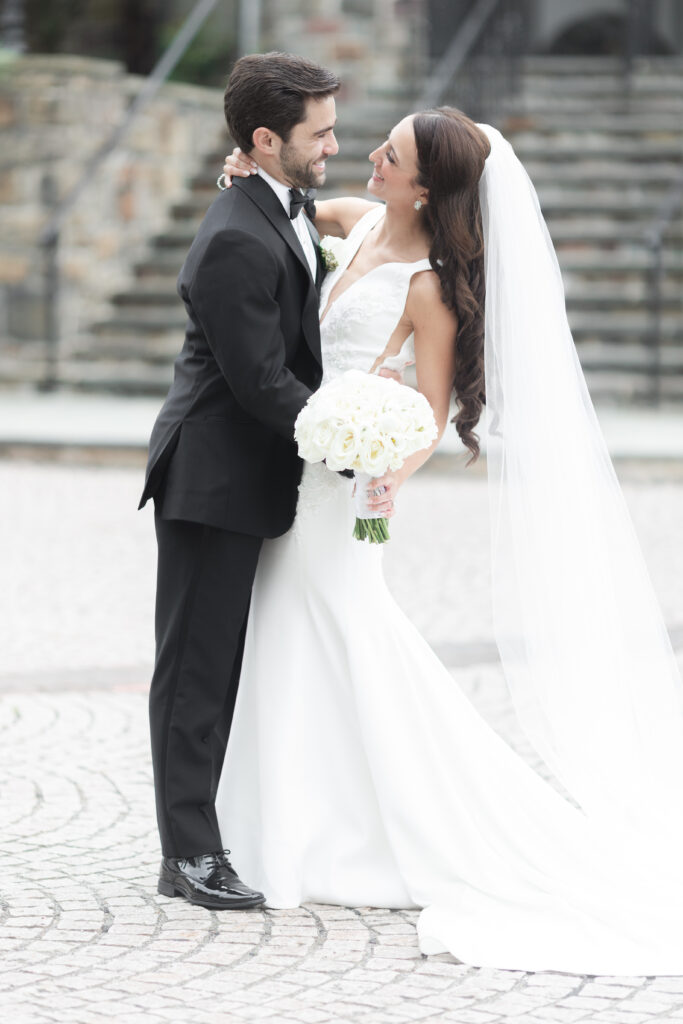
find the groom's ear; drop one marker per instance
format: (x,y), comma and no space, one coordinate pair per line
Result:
(266,142)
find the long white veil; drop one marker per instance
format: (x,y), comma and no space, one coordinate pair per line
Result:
(583,645)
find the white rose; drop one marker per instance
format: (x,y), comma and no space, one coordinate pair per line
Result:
(343,449)
(323,435)
(374,456)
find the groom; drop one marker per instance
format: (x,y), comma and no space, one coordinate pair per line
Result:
(223,468)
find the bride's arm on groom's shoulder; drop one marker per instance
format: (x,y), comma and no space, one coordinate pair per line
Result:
(338,216)
(332,216)
(435,328)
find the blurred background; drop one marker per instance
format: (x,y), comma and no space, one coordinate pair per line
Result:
(112,137)
(111,140)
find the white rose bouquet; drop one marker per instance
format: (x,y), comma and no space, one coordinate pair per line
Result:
(369,424)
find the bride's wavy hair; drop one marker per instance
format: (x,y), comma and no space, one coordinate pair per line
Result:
(451,152)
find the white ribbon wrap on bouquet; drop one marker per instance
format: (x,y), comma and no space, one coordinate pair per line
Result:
(361,497)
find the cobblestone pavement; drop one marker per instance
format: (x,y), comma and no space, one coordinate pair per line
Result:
(83,935)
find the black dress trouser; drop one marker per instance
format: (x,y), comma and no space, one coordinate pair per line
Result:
(204,581)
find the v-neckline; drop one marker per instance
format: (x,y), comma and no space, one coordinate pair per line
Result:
(386,263)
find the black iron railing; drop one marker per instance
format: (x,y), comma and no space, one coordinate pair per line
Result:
(637,38)
(480,69)
(655,239)
(51,234)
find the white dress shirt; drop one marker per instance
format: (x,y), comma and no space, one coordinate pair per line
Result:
(282,192)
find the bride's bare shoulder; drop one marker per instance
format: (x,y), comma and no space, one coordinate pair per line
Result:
(338,216)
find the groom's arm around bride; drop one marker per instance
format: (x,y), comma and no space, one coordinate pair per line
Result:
(223,467)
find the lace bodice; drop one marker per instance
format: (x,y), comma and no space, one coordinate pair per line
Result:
(354,333)
(358,325)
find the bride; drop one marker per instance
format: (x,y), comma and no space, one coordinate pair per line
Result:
(357,773)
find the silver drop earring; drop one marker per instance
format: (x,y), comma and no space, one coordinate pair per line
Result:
(418,204)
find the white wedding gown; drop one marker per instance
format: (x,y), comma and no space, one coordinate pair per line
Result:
(358,774)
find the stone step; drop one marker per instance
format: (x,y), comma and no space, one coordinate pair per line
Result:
(144,320)
(628,356)
(627,202)
(591,173)
(607,296)
(592,121)
(548,106)
(177,236)
(130,377)
(617,328)
(558,66)
(148,292)
(577,146)
(124,345)
(602,87)
(612,387)
(166,262)
(604,231)
(619,264)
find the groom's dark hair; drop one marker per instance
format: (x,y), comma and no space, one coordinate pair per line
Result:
(270,90)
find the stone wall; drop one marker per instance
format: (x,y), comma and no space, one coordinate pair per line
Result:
(377,47)
(54,114)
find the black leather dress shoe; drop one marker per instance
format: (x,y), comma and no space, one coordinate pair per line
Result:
(208,881)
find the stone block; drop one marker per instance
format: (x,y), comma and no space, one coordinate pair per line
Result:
(26,319)
(7,109)
(14,267)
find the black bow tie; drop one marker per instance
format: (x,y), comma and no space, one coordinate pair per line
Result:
(298,199)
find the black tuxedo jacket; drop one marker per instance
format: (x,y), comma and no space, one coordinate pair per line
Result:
(222,449)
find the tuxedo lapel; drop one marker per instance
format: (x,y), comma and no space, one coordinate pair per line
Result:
(312,230)
(262,195)
(319,264)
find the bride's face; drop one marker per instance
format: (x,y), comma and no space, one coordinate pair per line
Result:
(395,167)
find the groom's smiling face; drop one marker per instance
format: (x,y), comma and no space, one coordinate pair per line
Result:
(303,157)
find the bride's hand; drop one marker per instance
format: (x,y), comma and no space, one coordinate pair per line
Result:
(384,503)
(391,374)
(237,164)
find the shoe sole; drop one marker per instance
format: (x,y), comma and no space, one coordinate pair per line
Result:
(170,890)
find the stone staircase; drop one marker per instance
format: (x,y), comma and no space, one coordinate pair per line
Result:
(601,167)
(602,164)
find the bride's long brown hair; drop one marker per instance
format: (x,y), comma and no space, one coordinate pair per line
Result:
(451,152)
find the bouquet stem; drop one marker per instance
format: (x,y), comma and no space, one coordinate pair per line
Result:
(374,530)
